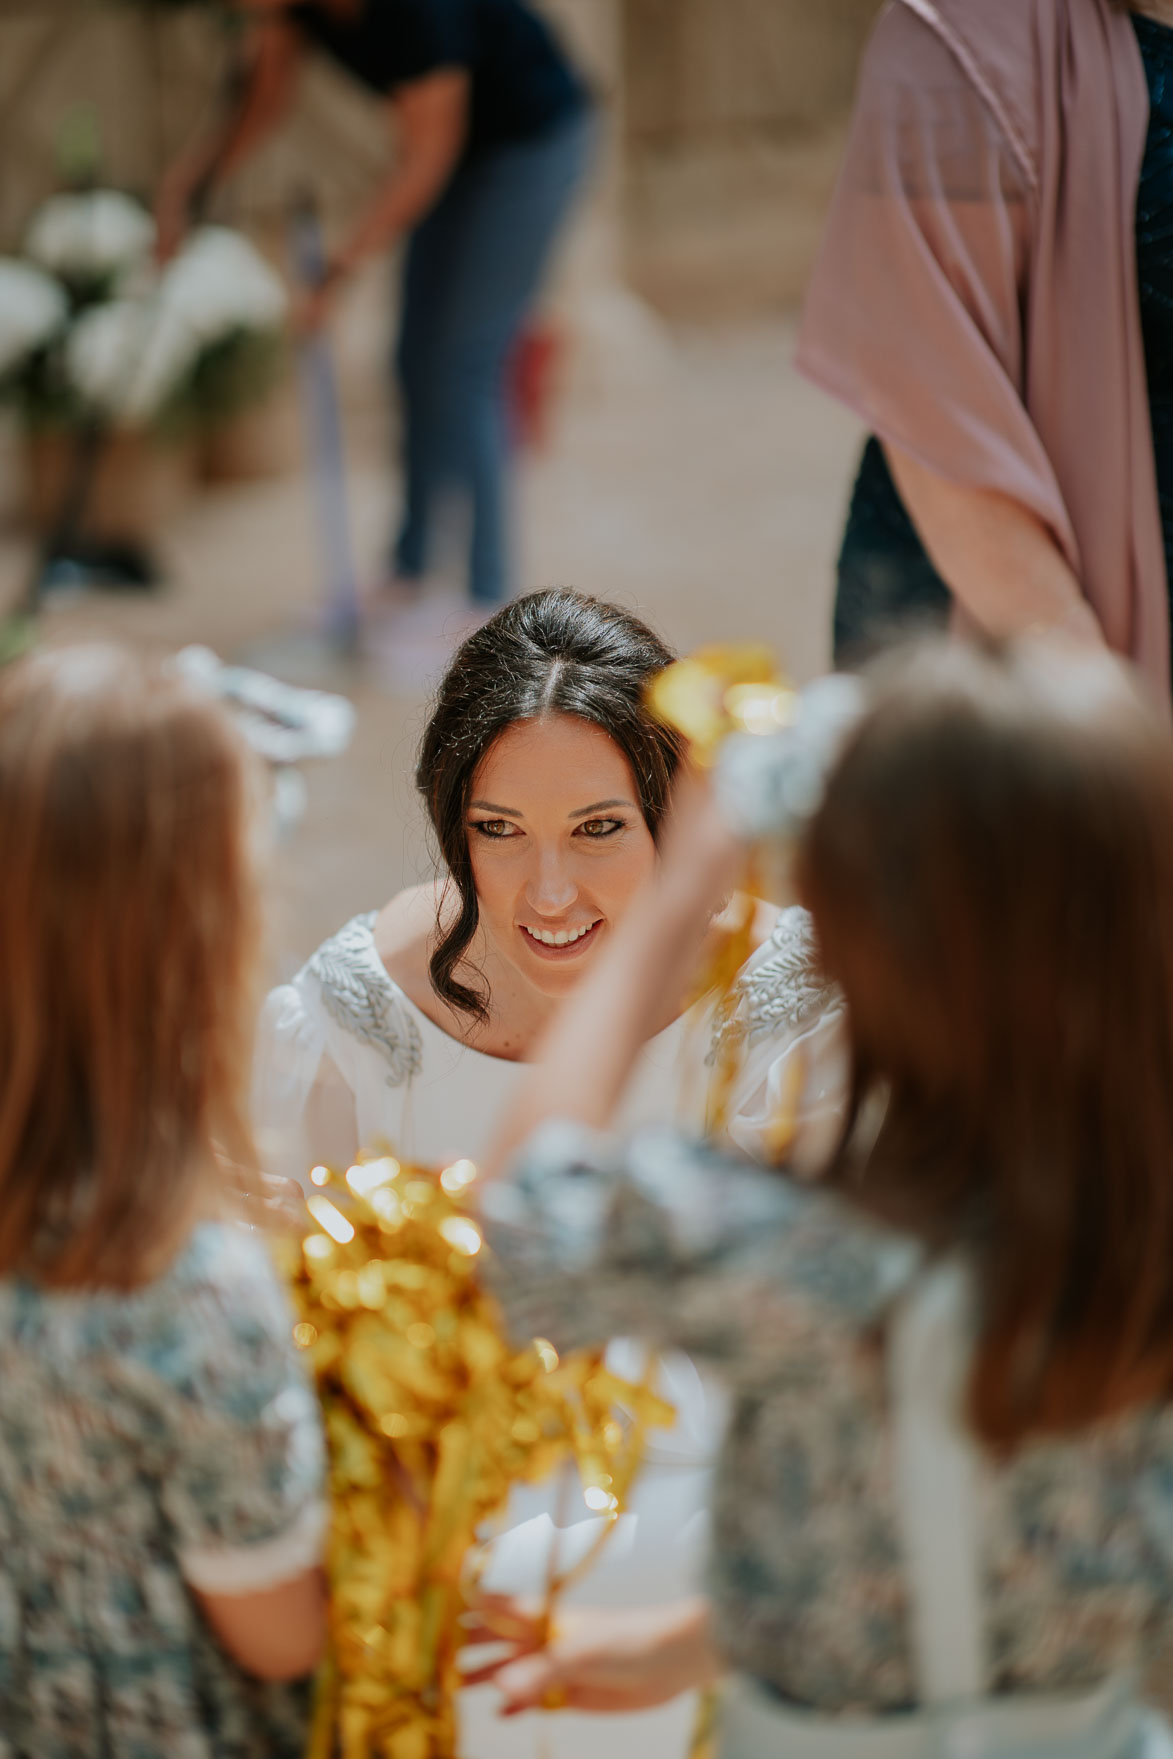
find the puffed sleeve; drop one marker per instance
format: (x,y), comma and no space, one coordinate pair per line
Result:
(287,1058)
(789,1023)
(663,1239)
(913,314)
(303,1107)
(244,1473)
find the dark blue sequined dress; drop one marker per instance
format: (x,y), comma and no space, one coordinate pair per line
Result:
(886,581)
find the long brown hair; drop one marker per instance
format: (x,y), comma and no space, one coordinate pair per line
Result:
(127,923)
(991,881)
(556,652)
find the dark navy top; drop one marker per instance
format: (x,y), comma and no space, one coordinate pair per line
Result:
(885,576)
(522,82)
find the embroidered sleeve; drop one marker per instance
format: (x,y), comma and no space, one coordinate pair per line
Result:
(780,988)
(358,996)
(786,1021)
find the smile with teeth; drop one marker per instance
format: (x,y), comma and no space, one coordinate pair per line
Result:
(563,937)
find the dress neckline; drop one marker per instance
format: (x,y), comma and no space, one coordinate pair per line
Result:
(426,1025)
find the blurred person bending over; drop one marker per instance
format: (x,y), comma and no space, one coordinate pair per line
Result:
(493,128)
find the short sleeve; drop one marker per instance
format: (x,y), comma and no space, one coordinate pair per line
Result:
(429,35)
(913,315)
(303,1107)
(287,1057)
(243,1492)
(789,1097)
(663,1239)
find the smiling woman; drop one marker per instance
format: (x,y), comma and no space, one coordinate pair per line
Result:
(545,781)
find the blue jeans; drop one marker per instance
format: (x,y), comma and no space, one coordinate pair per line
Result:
(473,268)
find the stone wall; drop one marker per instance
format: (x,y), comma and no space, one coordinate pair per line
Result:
(733,129)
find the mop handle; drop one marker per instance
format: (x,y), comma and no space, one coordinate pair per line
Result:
(328,457)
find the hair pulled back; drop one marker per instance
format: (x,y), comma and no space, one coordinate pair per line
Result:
(550,653)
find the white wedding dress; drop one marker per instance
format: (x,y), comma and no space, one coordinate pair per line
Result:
(345,1061)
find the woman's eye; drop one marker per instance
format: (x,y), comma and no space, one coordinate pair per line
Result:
(498,828)
(597,828)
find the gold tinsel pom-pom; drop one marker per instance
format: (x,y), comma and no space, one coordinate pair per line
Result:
(709,696)
(722,690)
(431,1417)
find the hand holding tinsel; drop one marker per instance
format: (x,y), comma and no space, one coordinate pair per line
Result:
(431,1417)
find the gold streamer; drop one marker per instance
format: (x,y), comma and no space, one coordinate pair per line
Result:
(716,692)
(722,690)
(431,1416)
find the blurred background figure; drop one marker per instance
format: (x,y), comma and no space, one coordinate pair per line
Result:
(993,299)
(690,474)
(493,128)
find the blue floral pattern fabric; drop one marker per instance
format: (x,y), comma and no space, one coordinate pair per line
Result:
(788,1291)
(137,1432)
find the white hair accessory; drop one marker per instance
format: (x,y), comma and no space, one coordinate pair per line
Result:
(770,784)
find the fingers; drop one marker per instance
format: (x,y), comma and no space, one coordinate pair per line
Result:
(490,1671)
(532,1682)
(499,1618)
(283,1199)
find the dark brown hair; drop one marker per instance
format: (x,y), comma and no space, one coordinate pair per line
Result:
(991,882)
(551,653)
(127,926)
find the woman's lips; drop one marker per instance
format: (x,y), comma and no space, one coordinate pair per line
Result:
(559,955)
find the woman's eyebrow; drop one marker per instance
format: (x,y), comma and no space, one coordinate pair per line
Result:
(488,806)
(600,806)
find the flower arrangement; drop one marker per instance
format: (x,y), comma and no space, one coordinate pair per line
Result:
(91,328)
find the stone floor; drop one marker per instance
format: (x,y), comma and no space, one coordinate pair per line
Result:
(706,492)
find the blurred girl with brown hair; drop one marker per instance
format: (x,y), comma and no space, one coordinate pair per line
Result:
(942,1519)
(161,1465)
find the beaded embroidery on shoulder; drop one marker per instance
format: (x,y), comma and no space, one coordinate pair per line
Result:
(360,997)
(782,991)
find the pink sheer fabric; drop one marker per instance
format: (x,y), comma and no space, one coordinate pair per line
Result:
(975,297)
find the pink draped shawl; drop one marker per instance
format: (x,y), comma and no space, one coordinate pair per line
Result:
(975,297)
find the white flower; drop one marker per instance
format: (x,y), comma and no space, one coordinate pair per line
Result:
(32,308)
(99,233)
(221,283)
(126,357)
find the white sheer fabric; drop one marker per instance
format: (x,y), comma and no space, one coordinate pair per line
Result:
(346,1061)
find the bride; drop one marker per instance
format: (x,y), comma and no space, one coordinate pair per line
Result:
(545,781)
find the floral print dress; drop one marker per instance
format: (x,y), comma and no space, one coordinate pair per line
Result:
(150,1443)
(790,1293)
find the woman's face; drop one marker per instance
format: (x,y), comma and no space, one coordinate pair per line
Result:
(559,846)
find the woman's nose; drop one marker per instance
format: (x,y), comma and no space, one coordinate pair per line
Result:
(551,887)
